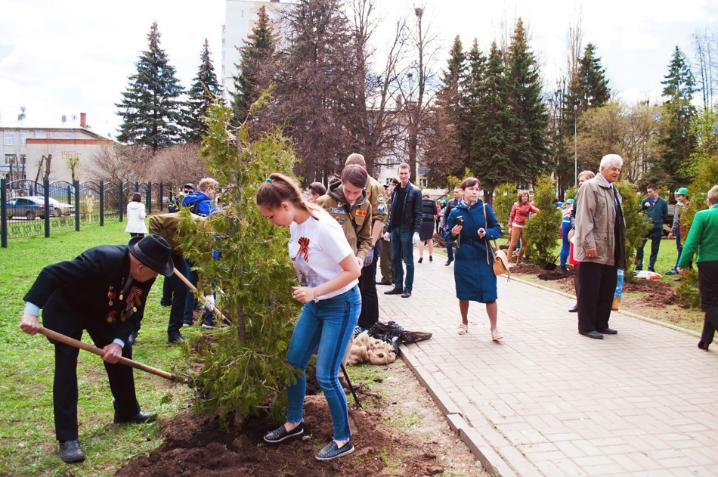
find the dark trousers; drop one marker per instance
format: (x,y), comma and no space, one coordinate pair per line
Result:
(387,275)
(166,292)
(679,249)
(64,390)
(450,250)
(190,301)
(179,296)
(367,287)
(402,249)
(655,237)
(598,284)
(708,285)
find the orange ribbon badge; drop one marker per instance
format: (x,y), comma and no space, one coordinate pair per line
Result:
(303,249)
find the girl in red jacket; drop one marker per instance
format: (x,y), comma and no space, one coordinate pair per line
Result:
(517,219)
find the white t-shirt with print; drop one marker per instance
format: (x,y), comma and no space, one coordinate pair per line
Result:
(316,248)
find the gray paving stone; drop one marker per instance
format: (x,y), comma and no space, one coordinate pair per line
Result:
(547,401)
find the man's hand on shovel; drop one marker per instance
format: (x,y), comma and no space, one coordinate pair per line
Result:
(112,353)
(30,324)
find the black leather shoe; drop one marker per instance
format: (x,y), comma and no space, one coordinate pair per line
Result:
(394,291)
(70,452)
(421,259)
(574,309)
(591,334)
(384,283)
(608,331)
(703,346)
(139,418)
(175,338)
(448,262)
(406,294)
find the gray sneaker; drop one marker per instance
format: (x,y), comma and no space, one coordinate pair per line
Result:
(331,451)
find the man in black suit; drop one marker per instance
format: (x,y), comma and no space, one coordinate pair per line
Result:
(102,291)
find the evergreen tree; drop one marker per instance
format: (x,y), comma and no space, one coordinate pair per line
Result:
(443,153)
(593,84)
(492,134)
(243,367)
(150,108)
(204,91)
(526,109)
(470,99)
(540,231)
(255,65)
(677,138)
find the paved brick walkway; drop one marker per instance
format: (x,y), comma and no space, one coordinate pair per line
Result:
(550,402)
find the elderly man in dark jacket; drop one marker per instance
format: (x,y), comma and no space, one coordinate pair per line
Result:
(102,291)
(403,230)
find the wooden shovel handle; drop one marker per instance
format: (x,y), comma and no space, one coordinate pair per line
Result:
(198,294)
(55,336)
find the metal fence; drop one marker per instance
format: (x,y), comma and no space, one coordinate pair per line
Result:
(25,204)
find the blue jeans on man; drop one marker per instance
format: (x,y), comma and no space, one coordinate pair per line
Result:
(655,236)
(325,328)
(402,249)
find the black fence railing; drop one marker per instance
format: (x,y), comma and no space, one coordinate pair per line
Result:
(31,208)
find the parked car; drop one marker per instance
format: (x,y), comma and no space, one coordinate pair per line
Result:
(31,207)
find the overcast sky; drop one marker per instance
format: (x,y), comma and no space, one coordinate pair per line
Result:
(64,57)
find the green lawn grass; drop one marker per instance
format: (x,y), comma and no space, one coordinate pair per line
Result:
(27,439)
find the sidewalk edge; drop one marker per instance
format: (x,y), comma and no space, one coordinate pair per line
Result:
(490,460)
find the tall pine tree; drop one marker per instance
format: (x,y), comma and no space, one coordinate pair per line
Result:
(593,84)
(492,134)
(526,109)
(677,139)
(255,66)
(470,98)
(204,91)
(443,154)
(151,108)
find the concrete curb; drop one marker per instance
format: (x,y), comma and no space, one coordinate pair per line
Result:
(623,312)
(490,460)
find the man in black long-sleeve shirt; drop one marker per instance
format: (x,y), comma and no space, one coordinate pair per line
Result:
(403,230)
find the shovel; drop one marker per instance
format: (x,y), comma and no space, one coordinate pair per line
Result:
(194,290)
(55,336)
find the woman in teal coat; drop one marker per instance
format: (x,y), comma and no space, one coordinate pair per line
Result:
(472,224)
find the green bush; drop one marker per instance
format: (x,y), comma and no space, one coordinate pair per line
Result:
(543,229)
(504,198)
(243,366)
(687,292)
(637,224)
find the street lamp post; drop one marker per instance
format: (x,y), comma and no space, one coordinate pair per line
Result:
(575,149)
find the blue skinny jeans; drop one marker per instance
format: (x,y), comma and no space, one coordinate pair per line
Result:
(325,327)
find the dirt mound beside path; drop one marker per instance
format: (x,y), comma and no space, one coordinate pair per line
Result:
(198,445)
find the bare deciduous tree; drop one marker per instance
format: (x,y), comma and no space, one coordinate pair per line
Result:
(177,164)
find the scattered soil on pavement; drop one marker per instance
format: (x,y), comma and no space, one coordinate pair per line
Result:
(400,432)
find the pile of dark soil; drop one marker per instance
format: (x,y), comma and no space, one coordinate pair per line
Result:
(199,445)
(653,293)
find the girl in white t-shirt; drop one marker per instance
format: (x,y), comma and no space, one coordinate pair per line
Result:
(327,271)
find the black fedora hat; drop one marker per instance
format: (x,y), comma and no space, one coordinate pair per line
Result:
(154,252)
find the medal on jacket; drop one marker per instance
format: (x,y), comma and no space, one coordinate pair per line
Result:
(111,296)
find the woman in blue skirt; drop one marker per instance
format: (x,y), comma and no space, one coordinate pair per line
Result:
(472,224)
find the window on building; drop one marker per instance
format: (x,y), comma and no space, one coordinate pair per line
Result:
(41,134)
(9,139)
(23,138)
(10,158)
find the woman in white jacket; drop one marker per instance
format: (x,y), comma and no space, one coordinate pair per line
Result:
(136,217)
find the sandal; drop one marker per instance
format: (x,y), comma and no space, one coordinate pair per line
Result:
(496,335)
(463,329)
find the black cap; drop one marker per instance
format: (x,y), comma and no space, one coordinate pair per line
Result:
(154,252)
(190,185)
